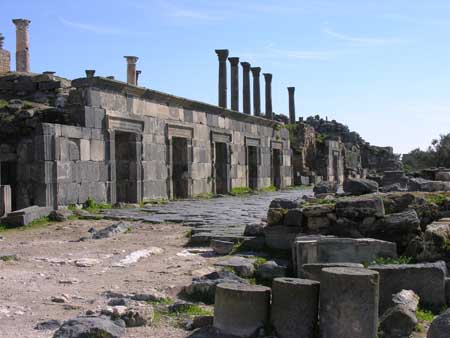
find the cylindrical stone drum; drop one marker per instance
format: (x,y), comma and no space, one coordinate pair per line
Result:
(295,304)
(241,309)
(349,303)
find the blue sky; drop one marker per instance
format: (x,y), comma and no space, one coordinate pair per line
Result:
(380,66)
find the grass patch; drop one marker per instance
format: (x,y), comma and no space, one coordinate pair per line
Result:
(93,207)
(8,258)
(3,103)
(299,187)
(236,247)
(424,315)
(37,223)
(388,260)
(270,188)
(241,191)
(177,318)
(204,196)
(437,198)
(259,261)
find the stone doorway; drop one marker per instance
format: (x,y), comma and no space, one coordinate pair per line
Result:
(276,168)
(8,176)
(180,167)
(221,168)
(126,167)
(252,160)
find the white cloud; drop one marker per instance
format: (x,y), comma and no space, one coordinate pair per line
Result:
(365,41)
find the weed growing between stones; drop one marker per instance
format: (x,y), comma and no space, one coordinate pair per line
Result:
(388,260)
(37,223)
(93,207)
(241,191)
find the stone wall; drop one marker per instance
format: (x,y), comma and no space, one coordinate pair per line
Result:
(5,61)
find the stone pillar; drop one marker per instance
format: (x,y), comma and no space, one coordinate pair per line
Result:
(241,309)
(234,63)
(256,91)
(22,45)
(246,87)
(222,54)
(138,72)
(349,303)
(5,57)
(295,307)
(131,69)
(90,73)
(5,200)
(291,91)
(268,81)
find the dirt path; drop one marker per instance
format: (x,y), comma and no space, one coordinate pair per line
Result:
(46,266)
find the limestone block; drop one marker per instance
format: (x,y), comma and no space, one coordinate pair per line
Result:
(240,309)
(295,306)
(44,148)
(74,151)
(348,303)
(5,200)
(64,171)
(313,270)
(85,150)
(427,280)
(70,131)
(360,208)
(97,150)
(280,236)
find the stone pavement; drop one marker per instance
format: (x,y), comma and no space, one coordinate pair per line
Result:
(221,217)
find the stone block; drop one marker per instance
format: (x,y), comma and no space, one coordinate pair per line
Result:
(64,172)
(280,236)
(5,200)
(322,249)
(44,148)
(241,310)
(294,217)
(97,150)
(74,151)
(70,131)
(313,270)
(295,306)
(348,303)
(27,215)
(360,208)
(97,191)
(427,280)
(85,150)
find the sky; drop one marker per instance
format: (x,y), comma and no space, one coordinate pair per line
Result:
(382,67)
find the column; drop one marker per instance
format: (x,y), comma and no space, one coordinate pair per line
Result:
(222,54)
(22,45)
(131,69)
(138,72)
(234,63)
(291,91)
(90,73)
(246,87)
(256,91)
(268,81)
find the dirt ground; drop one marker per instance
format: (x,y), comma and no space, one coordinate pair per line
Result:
(46,268)
(46,259)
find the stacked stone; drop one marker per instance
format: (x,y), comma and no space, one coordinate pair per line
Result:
(5,57)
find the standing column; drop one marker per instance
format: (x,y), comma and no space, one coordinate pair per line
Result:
(246,87)
(131,69)
(138,72)
(291,91)
(222,54)
(22,45)
(234,62)
(268,80)
(256,91)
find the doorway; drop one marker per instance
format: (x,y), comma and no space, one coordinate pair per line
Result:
(276,168)
(8,176)
(252,167)
(126,167)
(221,167)
(180,167)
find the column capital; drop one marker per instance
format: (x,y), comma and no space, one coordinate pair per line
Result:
(131,59)
(291,89)
(21,23)
(267,76)
(246,66)
(234,61)
(222,54)
(255,71)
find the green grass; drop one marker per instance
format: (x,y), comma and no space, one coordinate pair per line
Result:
(241,191)
(424,315)
(299,187)
(236,247)
(387,260)
(156,201)
(177,319)
(7,258)
(204,196)
(3,103)
(37,223)
(270,188)
(93,207)
(259,261)
(437,198)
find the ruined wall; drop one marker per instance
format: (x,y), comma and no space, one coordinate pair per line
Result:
(5,60)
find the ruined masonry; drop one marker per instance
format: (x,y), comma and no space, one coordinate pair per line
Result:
(111,141)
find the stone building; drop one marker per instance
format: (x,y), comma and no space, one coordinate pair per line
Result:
(5,57)
(66,141)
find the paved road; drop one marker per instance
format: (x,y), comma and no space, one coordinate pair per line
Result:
(216,217)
